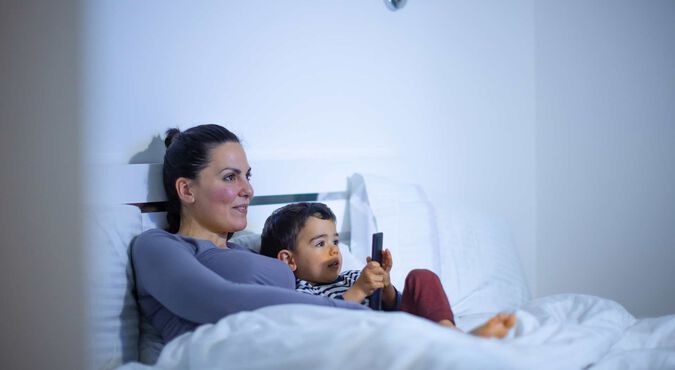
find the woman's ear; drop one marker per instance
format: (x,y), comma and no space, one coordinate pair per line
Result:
(184,191)
(287,257)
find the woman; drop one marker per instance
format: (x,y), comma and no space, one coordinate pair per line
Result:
(190,275)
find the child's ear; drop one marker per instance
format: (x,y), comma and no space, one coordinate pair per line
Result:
(287,257)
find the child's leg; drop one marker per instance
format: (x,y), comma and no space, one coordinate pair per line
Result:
(423,296)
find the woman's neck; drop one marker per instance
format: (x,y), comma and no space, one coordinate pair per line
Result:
(196,231)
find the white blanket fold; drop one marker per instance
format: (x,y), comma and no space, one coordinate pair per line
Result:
(556,332)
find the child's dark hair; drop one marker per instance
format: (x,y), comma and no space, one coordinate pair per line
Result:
(283,225)
(187,153)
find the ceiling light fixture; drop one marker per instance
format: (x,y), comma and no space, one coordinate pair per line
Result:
(394,5)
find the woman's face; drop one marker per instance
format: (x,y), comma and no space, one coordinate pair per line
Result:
(222,190)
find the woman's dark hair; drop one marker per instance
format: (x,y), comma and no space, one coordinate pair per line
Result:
(187,153)
(283,226)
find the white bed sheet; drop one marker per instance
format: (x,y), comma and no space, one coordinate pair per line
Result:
(557,332)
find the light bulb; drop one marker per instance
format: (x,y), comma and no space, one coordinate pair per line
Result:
(394,5)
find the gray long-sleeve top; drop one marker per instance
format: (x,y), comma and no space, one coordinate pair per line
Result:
(183,282)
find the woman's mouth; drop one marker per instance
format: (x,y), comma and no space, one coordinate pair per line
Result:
(241,209)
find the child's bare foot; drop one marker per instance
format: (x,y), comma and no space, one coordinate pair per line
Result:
(496,327)
(448,323)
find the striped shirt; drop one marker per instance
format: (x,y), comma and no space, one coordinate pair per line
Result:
(335,290)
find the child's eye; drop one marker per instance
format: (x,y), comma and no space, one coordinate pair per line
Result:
(336,242)
(320,244)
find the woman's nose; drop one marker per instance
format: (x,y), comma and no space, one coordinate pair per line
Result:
(246,190)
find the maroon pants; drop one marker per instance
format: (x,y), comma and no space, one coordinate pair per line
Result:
(423,296)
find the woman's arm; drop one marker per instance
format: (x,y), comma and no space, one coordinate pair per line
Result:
(167,269)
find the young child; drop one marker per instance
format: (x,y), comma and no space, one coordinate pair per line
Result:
(304,236)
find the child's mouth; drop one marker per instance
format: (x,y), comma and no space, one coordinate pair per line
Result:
(335,264)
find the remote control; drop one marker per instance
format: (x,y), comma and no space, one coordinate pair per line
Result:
(376,254)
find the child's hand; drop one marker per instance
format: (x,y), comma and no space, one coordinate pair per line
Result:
(387,263)
(389,292)
(372,278)
(387,260)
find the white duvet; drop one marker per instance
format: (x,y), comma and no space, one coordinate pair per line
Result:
(556,332)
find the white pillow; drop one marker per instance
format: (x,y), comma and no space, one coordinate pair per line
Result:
(361,218)
(402,212)
(473,254)
(349,261)
(113,316)
(480,271)
(247,239)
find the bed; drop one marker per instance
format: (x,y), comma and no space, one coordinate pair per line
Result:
(473,253)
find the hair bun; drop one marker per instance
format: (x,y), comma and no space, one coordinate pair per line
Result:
(171,136)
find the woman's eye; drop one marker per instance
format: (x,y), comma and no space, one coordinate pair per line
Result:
(248,177)
(229,177)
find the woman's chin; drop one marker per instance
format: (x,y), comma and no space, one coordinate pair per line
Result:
(238,226)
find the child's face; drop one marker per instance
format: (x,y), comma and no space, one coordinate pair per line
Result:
(317,256)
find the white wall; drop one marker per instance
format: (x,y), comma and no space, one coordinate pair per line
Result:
(605,73)
(41,272)
(444,88)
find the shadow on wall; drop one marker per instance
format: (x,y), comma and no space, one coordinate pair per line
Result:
(154,153)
